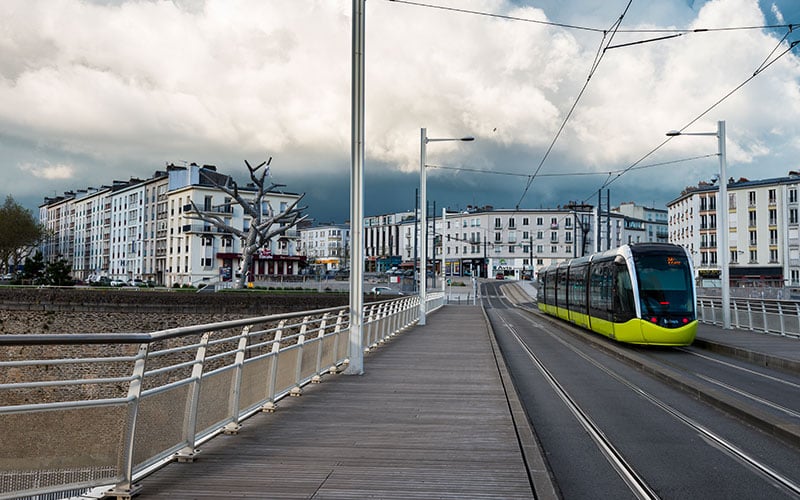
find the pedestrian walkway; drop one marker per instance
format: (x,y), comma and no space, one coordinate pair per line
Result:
(433,416)
(766,349)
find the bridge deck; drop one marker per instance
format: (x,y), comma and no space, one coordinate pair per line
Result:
(429,419)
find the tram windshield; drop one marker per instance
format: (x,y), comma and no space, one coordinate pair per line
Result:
(665,284)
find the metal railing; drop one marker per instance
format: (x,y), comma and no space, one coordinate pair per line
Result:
(80,411)
(781,317)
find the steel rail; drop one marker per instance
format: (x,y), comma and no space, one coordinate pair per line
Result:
(626,471)
(730,448)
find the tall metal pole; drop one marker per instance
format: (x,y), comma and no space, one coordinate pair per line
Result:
(423,221)
(416,238)
(723,250)
(722,217)
(444,253)
(356,352)
(433,246)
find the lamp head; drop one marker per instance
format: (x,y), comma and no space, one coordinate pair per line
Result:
(673,133)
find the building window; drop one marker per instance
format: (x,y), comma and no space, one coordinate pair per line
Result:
(753,238)
(753,256)
(734,256)
(793,195)
(751,198)
(772,196)
(793,216)
(773,255)
(497,223)
(751,218)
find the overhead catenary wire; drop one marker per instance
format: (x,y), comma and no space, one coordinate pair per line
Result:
(758,71)
(598,57)
(587,28)
(595,65)
(570,174)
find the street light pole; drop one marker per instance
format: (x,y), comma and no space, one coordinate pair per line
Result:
(444,253)
(423,192)
(722,219)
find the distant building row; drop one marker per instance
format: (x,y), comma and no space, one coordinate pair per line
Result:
(143,229)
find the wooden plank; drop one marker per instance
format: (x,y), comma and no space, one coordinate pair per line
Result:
(428,419)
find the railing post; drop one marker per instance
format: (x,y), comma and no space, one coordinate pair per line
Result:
(320,341)
(301,340)
(338,331)
(736,312)
(750,316)
(780,315)
(764,315)
(188,453)
(713,313)
(370,324)
(797,311)
(236,384)
(126,488)
(270,406)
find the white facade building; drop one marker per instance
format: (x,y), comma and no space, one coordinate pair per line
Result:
(144,229)
(763,230)
(326,247)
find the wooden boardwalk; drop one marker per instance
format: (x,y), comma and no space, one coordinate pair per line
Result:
(428,419)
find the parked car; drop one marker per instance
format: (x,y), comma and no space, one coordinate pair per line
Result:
(385,290)
(137,282)
(100,281)
(118,282)
(500,276)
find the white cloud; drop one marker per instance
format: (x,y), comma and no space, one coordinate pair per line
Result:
(49,172)
(131,85)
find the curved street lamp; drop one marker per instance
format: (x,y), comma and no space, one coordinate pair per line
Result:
(423,218)
(722,219)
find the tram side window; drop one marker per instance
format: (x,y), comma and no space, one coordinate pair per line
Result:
(550,283)
(561,288)
(600,290)
(624,304)
(577,285)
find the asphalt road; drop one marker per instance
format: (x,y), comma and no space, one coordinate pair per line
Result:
(610,430)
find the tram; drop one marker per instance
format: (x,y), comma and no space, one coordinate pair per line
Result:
(641,293)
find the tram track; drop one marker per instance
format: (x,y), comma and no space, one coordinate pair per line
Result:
(729,399)
(626,471)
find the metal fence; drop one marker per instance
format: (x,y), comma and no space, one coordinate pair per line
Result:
(781,317)
(79,411)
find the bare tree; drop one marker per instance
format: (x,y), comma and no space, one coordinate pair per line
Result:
(264,225)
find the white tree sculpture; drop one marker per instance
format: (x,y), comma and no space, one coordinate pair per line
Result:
(264,225)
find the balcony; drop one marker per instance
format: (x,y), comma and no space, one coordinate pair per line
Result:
(220,209)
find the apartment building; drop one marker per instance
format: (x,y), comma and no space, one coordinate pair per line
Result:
(644,224)
(326,247)
(148,229)
(763,230)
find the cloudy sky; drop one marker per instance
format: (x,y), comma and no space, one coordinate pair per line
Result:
(93,91)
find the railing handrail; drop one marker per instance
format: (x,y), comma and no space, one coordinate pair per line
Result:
(147,338)
(192,391)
